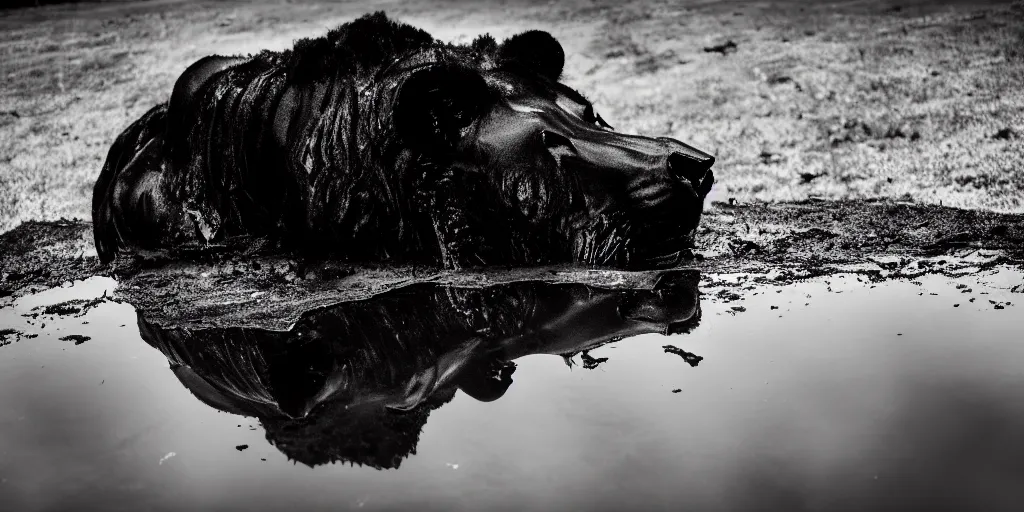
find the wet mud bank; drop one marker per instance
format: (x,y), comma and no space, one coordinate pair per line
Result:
(773,242)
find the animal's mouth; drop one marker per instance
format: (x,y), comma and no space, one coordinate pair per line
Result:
(666,253)
(638,243)
(668,260)
(664,235)
(667,239)
(655,232)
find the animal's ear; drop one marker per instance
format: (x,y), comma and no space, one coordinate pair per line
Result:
(536,50)
(434,104)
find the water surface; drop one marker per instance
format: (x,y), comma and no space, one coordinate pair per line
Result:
(832,394)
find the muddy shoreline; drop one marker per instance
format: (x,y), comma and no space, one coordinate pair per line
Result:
(772,242)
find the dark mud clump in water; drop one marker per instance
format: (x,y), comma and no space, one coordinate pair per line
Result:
(64,308)
(692,359)
(8,336)
(76,307)
(590,362)
(77,338)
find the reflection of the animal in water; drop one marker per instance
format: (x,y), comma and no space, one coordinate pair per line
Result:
(355,382)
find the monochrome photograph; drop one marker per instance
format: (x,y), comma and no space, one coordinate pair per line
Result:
(523,255)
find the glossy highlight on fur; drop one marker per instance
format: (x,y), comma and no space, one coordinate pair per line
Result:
(377,143)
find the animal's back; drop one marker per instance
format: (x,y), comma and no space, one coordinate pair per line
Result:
(159,168)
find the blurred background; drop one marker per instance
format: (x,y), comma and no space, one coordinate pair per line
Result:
(915,100)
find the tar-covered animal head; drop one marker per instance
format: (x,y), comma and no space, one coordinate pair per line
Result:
(522,168)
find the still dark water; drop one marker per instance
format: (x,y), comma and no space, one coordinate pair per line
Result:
(834,394)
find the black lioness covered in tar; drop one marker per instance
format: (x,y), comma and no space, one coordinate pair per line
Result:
(378,143)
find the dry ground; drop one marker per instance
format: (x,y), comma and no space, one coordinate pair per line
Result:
(844,99)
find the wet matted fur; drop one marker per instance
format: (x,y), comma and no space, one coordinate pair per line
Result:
(378,143)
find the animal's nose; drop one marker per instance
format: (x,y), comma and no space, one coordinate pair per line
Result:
(690,164)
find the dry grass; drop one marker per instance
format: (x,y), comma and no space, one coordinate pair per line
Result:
(846,99)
